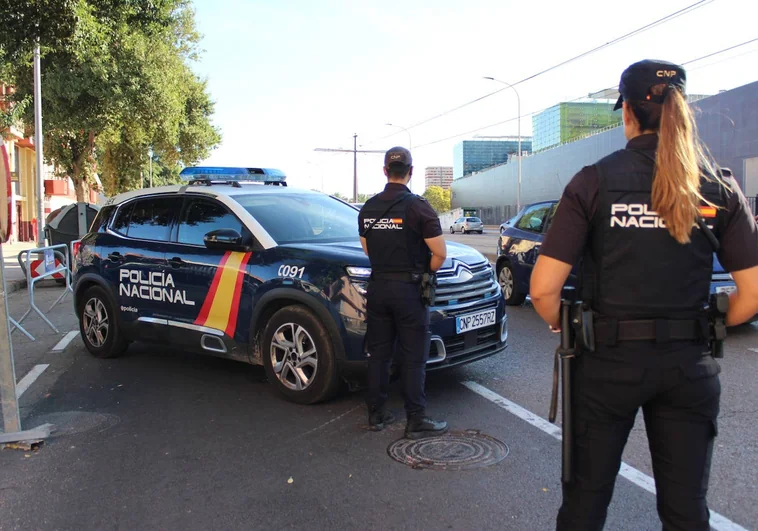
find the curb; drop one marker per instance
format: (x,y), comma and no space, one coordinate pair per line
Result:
(15,285)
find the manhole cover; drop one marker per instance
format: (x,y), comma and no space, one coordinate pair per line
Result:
(452,451)
(71,422)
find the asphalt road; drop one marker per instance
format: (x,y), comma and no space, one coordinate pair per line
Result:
(160,439)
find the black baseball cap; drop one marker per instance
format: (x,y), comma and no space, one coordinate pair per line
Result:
(638,78)
(398,154)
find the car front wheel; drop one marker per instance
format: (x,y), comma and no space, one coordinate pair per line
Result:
(299,357)
(98,325)
(507,282)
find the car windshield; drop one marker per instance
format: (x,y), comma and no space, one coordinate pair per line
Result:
(299,218)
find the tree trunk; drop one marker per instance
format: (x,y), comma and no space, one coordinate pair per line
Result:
(79,185)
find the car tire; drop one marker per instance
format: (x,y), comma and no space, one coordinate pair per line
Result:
(290,333)
(98,325)
(452,230)
(481,232)
(507,281)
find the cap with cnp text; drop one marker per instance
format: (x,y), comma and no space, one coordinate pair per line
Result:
(398,154)
(637,80)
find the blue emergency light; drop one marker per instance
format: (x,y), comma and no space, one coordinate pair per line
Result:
(209,174)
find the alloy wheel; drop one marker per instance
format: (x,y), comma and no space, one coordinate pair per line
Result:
(96,322)
(506,281)
(294,356)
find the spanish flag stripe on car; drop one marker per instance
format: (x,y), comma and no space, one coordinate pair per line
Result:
(221,305)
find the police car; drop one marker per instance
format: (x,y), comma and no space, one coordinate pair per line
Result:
(236,264)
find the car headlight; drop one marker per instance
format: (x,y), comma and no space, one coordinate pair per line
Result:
(359,277)
(359,272)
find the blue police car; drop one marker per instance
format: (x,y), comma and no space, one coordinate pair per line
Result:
(519,246)
(236,264)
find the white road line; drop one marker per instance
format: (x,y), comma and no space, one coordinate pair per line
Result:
(63,343)
(29,379)
(718,522)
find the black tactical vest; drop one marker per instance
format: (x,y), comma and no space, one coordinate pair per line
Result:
(393,247)
(633,268)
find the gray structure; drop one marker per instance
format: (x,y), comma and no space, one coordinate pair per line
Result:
(727,124)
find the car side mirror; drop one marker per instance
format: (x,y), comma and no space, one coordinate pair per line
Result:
(225,240)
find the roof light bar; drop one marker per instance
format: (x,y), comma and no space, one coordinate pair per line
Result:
(227,174)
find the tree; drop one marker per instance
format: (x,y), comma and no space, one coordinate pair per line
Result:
(362,198)
(439,198)
(115,83)
(340,196)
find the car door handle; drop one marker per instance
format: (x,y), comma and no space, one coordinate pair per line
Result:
(176,262)
(115,257)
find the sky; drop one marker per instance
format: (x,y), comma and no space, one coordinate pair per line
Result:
(290,76)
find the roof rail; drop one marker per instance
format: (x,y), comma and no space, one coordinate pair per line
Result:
(208,175)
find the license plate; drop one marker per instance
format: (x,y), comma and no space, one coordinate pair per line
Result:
(725,289)
(472,321)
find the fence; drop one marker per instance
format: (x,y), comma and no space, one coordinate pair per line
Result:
(751,201)
(62,267)
(495,215)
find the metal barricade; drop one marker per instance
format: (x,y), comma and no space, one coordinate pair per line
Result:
(61,250)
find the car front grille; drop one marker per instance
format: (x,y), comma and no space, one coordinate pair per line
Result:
(465,284)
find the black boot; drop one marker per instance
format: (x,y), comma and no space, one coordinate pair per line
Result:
(421,426)
(379,418)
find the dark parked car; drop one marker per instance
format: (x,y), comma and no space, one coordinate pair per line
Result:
(519,246)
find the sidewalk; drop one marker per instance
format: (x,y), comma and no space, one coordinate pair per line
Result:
(14,276)
(38,363)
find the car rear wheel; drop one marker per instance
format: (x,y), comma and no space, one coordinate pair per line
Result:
(299,357)
(98,325)
(507,282)
(452,230)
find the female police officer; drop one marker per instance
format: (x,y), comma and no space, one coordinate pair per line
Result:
(635,218)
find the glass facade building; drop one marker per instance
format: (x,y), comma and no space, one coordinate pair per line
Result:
(470,156)
(569,121)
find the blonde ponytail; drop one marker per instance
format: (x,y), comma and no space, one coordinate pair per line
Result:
(676,186)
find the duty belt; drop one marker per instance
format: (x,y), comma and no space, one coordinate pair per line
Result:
(609,331)
(397,276)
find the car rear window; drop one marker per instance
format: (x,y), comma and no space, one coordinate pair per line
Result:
(475,220)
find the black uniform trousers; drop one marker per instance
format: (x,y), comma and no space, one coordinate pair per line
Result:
(679,392)
(398,323)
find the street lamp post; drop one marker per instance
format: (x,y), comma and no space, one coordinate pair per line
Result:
(410,145)
(518,101)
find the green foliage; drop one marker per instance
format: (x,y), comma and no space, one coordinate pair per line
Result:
(342,197)
(116,82)
(439,198)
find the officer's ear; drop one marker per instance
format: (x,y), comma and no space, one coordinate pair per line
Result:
(410,172)
(386,173)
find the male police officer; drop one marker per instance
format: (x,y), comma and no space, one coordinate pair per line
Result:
(402,237)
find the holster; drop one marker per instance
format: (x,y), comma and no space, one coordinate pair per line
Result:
(428,288)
